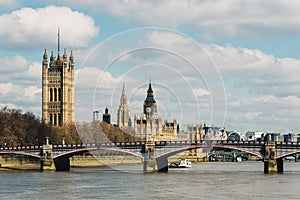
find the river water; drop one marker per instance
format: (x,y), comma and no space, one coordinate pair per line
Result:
(220,180)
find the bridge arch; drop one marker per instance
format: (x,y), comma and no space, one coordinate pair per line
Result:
(191,147)
(288,154)
(62,162)
(83,150)
(20,153)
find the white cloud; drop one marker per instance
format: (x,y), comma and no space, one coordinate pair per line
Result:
(32,93)
(200,92)
(27,28)
(255,71)
(8,90)
(13,64)
(19,71)
(90,77)
(20,85)
(215,19)
(8,4)
(167,39)
(34,71)
(267,113)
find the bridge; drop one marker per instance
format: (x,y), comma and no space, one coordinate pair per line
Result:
(155,154)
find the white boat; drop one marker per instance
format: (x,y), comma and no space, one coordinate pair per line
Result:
(239,159)
(185,163)
(182,163)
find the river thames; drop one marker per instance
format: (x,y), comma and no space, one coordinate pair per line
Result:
(220,180)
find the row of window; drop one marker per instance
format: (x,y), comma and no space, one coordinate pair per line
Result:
(55,94)
(55,119)
(54,81)
(54,107)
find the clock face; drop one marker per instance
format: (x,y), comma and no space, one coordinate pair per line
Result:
(148,109)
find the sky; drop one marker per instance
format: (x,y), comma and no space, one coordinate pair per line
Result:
(223,63)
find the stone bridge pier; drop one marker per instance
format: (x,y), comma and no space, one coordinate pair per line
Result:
(271,163)
(152,164)
(149,159)
(62,163)
(162,164)
(47,163)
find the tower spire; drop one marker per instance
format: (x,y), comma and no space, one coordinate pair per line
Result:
(123,111)
(123,96)
(58,40)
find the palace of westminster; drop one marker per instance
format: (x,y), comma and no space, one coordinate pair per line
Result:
(58,106)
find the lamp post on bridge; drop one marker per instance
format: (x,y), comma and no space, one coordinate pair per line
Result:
(63,141)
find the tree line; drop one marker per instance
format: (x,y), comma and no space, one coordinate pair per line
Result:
(22,129)
(26,129)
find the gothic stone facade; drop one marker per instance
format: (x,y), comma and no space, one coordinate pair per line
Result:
(150,125)
(58,89)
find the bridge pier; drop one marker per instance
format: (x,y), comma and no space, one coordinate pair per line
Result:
(271,164)
(47,163)
(62,163)
(162,164)
(279,165)
(150,164)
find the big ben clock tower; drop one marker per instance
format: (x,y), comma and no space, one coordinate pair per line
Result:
(150,107)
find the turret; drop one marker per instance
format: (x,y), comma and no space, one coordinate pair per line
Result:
(45,59)
(58,56)
(65,56)
(52,59)
(71,60)
(45,56)
(71,57)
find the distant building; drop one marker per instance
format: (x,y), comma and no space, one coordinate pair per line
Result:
(106,116)
(149,124)
(234,136)
(123,120)
(96,115)
(195,133)
(214,133)
(277,137)
(58,88)
(254,135)
(291,137)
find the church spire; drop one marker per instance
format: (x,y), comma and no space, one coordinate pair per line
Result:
(123,97)
(123,111)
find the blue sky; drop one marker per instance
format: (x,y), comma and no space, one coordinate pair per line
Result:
(244,58)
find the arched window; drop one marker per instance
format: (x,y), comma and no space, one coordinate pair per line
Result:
(51,94)
(55,94)
(50,121)
(55,119)
(59,94)
(59,120)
